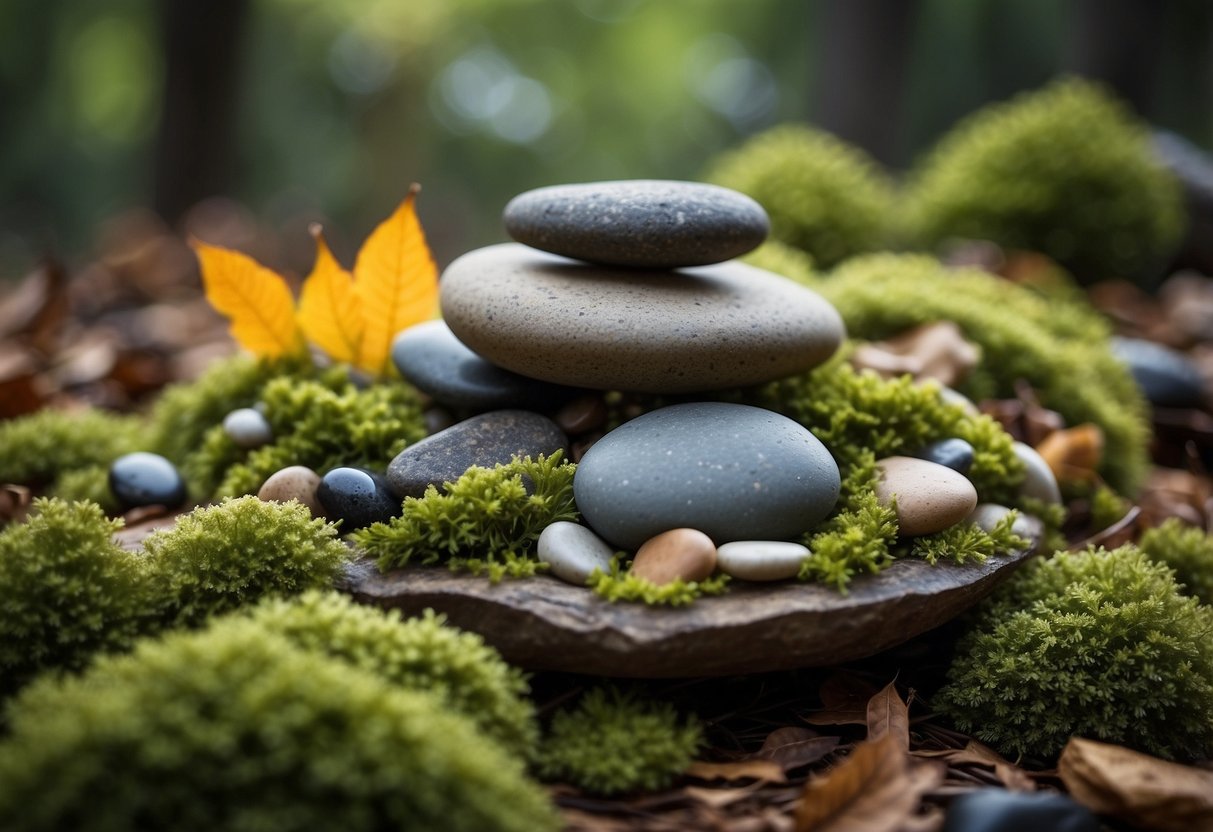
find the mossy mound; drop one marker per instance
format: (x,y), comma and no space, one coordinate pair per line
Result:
(1066,170)
(1186,549)
(1096,644)
(1058,347)
(613,741)
(822,195)
(220,557)
(46,448)
(234,728)
(422,654)
(67,591)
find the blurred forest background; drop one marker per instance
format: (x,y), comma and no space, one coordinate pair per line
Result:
(244,120)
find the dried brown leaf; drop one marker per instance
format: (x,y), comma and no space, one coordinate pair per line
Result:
(887,715)
(844,699)
(719,798)
(1134,787)
(38,308)
(765,771)
(977,754)
(793,747)
(876,789)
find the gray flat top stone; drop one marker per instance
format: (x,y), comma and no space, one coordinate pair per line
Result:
(543,624)
(644,223)
(608,328)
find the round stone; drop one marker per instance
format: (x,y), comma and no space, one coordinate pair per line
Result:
(761,560)
(248,428)
(930,497)
(999,810)
(953,453)
(1038,482)
(988,515)
(651,224)
(485,440)
(574,552)
(298,483)
(1166,377)
(357,498)
(143,479)
(430,357)
(583,415)
(707,328)
(732,471)
(686,554)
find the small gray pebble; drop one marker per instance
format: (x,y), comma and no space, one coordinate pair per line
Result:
(1039,482)
(143,479)
(248,428)
(1167,378)
(761,560)
(574,552)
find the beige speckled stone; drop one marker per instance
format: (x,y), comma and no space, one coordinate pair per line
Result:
(294,483)
(679,553)
(608,328)
(930,497)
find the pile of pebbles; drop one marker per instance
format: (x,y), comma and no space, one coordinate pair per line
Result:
(633,286)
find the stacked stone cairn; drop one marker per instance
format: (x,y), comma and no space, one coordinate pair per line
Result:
(632,286)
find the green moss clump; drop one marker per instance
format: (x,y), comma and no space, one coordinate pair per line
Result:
(320,424)
(488,520)
(1096,644)
(614,742)
(823,196)
(185,412)
(1061,349)
(88,484)
(219,557)
(37,449)
(619,584)
(422,653)
(1066,170)
(234,728)
(66,591)
(1187,550)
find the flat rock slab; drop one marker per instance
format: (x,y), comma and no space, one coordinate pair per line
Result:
(543,624)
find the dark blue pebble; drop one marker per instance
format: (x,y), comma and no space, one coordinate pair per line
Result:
(356,497)
(1166,377)
(436,362)
(143,479)
(998,810)
(954,453)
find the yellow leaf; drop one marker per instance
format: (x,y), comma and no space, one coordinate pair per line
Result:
(396,282)
(329,312)
(256,300)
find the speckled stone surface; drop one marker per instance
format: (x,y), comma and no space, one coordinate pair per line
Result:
(143,479)
(732,471)
(646,223)
(357,498)
(485,440)
(930,497)
(679,554)
(296,482)
(430,356)
(706,328)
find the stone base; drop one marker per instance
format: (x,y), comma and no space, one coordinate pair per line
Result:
(544,624)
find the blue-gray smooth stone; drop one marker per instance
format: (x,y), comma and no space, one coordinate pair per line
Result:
(1166,377)
(143,479)
(430,357)
(644,223)
(732,471)
(953,453)
(356,497)
(998,810)
(248,428)
(484,440)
